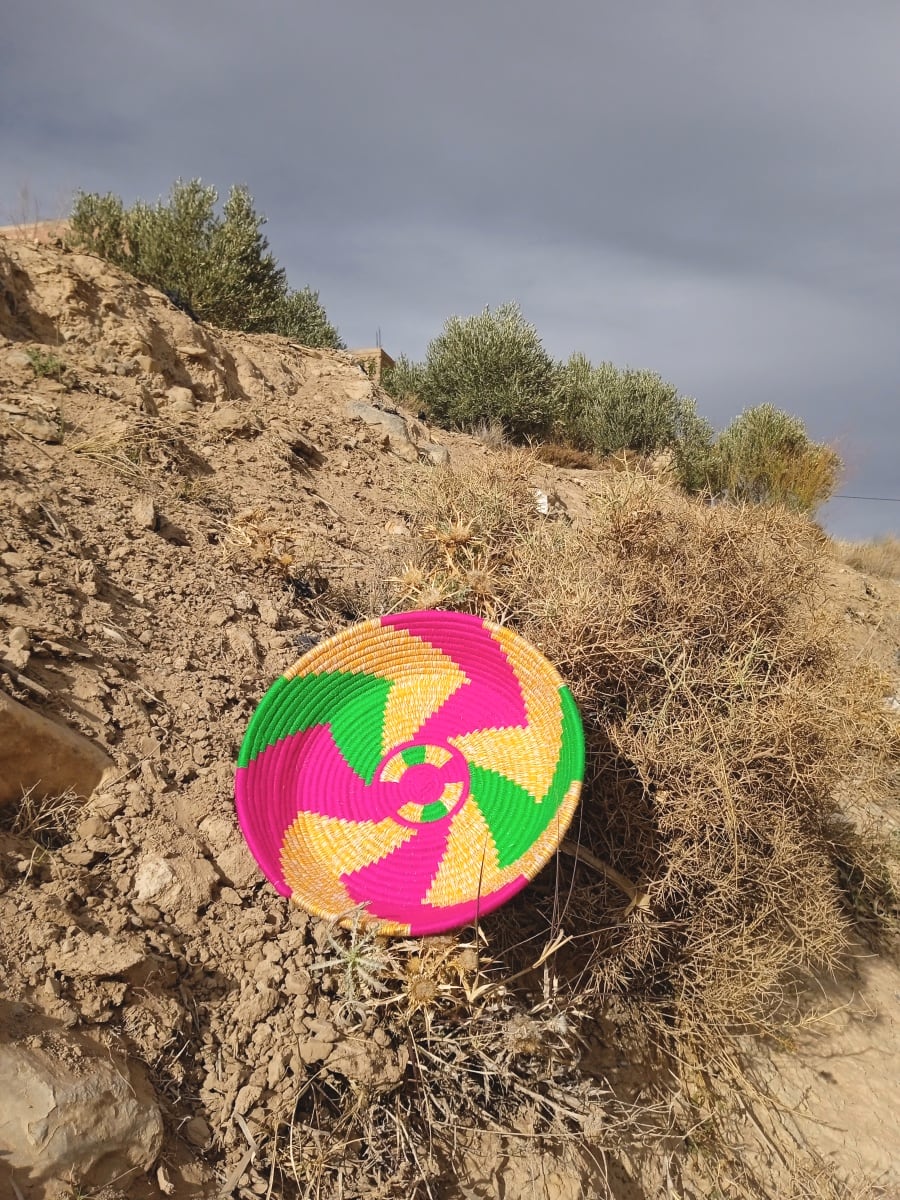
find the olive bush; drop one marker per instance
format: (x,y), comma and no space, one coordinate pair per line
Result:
(490,368)
(766,456)
(217,267)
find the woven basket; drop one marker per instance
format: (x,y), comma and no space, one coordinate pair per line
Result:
(423,765)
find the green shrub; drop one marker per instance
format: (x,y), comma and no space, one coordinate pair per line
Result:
(404,380)
(218,268)
(606,409)
(46,364)
(765,456)
(301,316)
(490,368)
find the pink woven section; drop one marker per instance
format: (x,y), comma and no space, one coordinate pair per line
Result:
(492,697)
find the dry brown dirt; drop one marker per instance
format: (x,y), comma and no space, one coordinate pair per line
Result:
(183,512)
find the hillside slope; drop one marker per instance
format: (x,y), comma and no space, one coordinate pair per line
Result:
(183,512)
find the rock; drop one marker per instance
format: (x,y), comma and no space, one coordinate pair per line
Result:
(198,1132)
(269,614)
(243,602)
(19,649)
(34,416)
(153,877)
(238,866)
(247,1097)
(40,429)
(144,513)
(192,351)
(437,455)
(18,358)
(181,399)
(97,955)
(218,831)
(181,886)
(395,428)
(404,436)
(36,752)
(77,855)
(146,404)
(232,420)
(314,1050)
(361,1060)
(148,913)
(165,1184)
(219,616)
(541,501)
(93,826)
(86,1116)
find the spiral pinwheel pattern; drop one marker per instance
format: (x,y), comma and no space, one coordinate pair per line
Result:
(423,765)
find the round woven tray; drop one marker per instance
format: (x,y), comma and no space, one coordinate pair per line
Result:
(423,765)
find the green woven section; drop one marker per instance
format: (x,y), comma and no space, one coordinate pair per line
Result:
(433,812)
(414,755)
(353,705)
(515,818)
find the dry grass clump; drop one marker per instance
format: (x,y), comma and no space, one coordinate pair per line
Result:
(722,719)
(472,1056)
(710,872)
(136,447)
(48,821)
(560,455)
(881,556)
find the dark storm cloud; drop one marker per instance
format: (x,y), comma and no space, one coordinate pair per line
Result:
(711,190)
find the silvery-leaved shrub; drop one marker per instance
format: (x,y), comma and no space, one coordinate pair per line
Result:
(766,456)
(488,368)
(217,266)
(607,409)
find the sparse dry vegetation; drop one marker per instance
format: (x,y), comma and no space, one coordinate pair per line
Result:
(48,821)
(722,719)
(881,556)
(604,1025)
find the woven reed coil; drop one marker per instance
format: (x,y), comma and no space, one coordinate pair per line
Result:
(423,765)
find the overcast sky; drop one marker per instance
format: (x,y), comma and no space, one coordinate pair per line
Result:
(707,188)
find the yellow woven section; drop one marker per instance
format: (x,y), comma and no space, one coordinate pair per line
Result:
(469,862)
(469,866)
(416,694)
(517,753)
(423,677)
(309,881)
(393,770)
(437,755)
(343,846)
(451,793)
(527,756)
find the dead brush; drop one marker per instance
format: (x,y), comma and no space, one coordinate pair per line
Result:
(137,447)
(723,719)
(478,1054)
(257,537)
(560,455)
(48,821)
(881,556)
